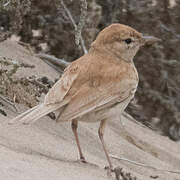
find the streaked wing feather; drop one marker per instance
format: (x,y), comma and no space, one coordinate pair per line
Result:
(63,85)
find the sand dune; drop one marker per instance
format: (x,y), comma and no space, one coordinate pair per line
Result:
(47,150)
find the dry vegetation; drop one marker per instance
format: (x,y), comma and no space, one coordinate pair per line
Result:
(23,90)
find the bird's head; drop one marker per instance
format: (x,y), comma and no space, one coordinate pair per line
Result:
(121,41)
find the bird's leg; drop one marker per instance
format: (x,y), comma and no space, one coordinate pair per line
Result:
(74,126)
(101,133)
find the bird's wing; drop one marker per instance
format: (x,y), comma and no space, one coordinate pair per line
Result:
(88,98)
(54,100)
(57,93)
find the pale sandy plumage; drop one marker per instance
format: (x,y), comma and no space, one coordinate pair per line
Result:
(97,86)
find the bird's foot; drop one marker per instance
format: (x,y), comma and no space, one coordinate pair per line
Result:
(83,160)
(109,170)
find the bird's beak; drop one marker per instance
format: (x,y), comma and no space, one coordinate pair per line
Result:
(150,40)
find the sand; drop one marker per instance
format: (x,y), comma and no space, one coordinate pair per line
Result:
(46,150)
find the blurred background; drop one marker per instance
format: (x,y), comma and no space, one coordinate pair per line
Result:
(47,28)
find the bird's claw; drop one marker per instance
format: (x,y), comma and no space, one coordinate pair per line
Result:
(83,160)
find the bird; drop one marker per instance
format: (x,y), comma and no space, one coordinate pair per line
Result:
(97,86)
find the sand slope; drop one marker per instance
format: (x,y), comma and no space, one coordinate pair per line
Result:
(47,150)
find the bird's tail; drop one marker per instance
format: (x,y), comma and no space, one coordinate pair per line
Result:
(35,113)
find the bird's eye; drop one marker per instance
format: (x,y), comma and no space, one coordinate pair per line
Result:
(128,41)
